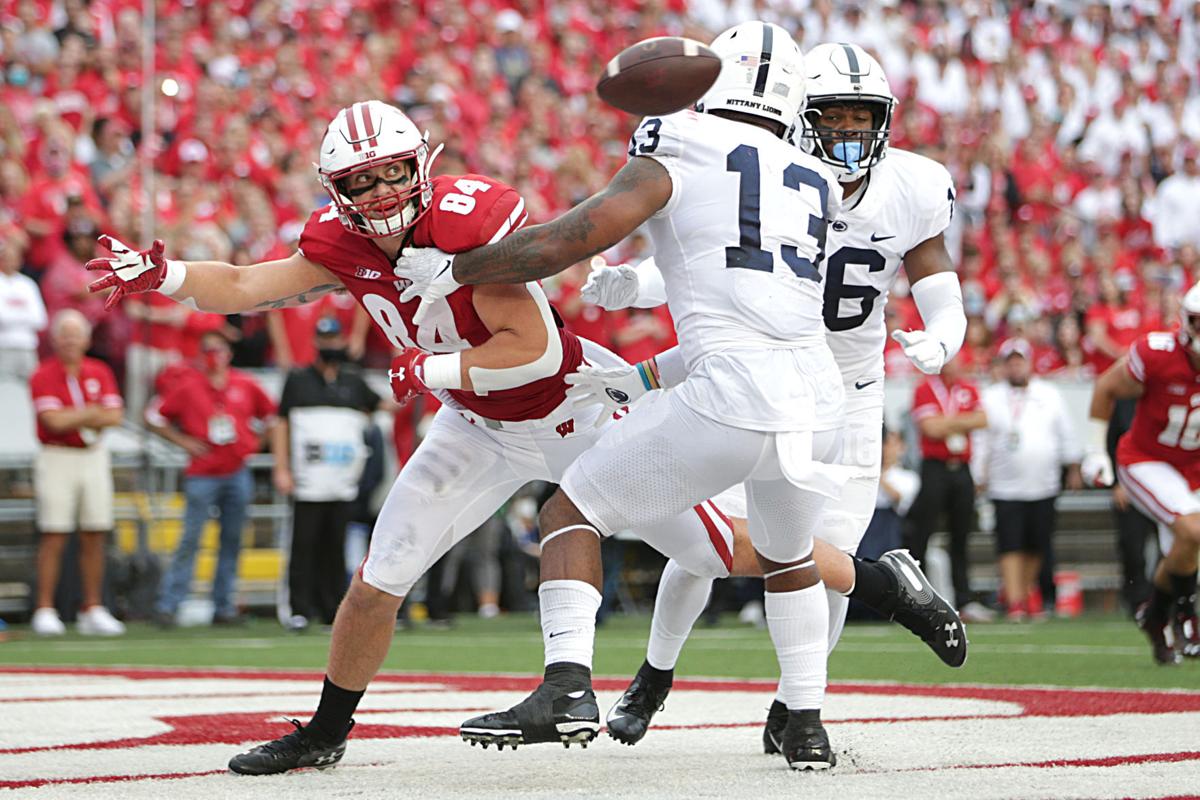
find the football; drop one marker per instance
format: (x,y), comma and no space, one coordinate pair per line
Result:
(659,76)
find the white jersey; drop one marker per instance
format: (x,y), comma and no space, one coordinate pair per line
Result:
(908,199)
(740,273)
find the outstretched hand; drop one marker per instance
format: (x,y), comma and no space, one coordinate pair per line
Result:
(129,271)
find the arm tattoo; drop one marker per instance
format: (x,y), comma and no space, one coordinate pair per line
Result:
(300,298)
(589,228)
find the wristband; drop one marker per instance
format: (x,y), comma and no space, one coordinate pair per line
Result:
(648,372)
(443,371)
(173,275)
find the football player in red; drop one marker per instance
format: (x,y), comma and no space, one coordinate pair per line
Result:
(1158,464)
(496,356)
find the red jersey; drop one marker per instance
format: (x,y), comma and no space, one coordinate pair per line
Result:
(1166,424)
(53,388)
(933,398)
(218,417)
(1124,324)
(467,211)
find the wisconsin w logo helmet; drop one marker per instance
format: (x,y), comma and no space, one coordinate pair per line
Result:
(845,74)
(361,138)
(762,73)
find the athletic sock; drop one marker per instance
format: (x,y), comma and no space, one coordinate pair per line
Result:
(568,621)
(1183,586)
(658,677)
(874,587)
(332,720)
(1161,602)
(680,601)
(839,604)
(799,626)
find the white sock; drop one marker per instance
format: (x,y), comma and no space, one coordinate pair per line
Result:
(799,626)
(681,599)
(569,621)
(839,604)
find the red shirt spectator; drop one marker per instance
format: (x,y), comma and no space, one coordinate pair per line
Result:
(53,386)
(945,395)
(215,409)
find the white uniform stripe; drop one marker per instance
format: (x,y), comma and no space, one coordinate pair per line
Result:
(508,223)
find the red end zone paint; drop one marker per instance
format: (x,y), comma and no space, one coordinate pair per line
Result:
(1036,701)
(235,728)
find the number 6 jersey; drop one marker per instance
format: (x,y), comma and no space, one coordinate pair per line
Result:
(907,199)
(467,211)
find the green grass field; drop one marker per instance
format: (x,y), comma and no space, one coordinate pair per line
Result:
(1091,651)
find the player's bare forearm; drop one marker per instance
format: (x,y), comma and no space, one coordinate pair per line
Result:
(1115,384)
(229,289)
(641,188)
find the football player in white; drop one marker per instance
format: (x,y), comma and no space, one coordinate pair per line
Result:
(720,190)
(896,205)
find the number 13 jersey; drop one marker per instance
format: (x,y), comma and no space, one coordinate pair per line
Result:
(907,200)
(738,243)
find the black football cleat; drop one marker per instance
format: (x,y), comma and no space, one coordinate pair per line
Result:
(777,719)
(562,709)
(296,750)
(629,718)
(1159,631)
(924,612)
(805,744)
(1187,630)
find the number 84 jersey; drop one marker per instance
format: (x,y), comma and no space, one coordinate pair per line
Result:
(907,199)
(467,211)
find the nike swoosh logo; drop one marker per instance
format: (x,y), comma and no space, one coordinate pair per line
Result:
(557,633)
(875,238)
(863,384)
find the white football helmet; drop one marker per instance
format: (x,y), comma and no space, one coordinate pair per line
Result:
(762,73)
(365,136)
(1189,331)
(845,74)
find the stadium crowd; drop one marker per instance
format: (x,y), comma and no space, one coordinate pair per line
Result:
(1072,130)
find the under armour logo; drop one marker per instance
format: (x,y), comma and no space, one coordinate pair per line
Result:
(396,374)
(951,631)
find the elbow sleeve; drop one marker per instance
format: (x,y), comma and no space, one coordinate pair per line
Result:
(484,380)
(939,300)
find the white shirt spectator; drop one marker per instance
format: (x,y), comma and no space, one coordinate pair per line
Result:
(1174,209)
(942,88)
(22,316)
(1110,135)
(1028,440)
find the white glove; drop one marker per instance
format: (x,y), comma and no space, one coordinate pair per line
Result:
(923,350)
(611,388)
(611,288)
(1097,470)
(432,274)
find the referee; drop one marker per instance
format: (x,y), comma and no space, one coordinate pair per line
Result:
(320,452)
